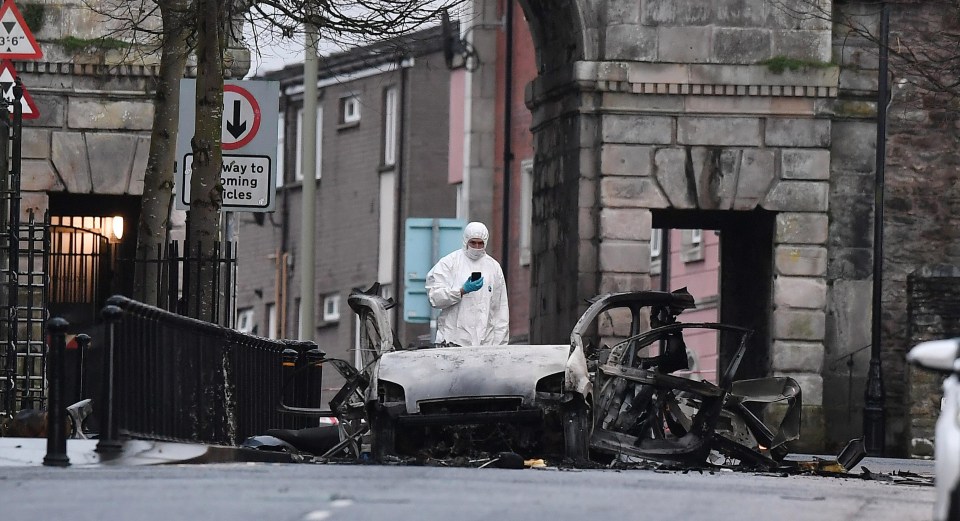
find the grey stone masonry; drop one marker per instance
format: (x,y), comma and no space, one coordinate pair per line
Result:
(801,228)
(684,116)
(797,357)
(800,260)
(625,224)
(787,132)
(728,131)
(810,164)
(626,159)
(800,292)
(796,324)
(634,129)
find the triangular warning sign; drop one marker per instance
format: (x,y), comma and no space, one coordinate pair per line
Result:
(16,40)
(8,78)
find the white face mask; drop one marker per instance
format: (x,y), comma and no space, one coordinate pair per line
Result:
(475,253)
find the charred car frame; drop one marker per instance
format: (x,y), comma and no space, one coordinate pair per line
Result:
(582,399)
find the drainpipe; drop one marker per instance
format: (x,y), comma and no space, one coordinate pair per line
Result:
(507,137)
(874,415)
(399,211)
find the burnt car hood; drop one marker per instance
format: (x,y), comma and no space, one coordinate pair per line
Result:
(469,372)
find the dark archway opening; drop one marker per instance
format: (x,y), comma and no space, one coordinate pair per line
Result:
(745,278)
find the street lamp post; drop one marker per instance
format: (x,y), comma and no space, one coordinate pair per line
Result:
(874,415)
(307,264)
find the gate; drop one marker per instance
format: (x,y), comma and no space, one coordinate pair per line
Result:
(23,288)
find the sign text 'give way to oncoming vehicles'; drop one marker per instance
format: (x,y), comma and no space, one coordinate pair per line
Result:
(248,136)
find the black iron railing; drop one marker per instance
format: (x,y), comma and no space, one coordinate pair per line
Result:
(169,275)
(179,378)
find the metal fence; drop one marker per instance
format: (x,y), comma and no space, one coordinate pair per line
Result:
(179,378)
(170,276)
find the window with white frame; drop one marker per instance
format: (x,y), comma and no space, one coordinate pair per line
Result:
(331,308)
(390,114)
(526,210)
(691,245)
(281,148)
(350,110)
(696,236)
(318,145)
(387,226)
(656,250)
(273,331)
(245,322)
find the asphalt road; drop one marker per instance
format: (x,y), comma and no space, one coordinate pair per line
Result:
(312,492)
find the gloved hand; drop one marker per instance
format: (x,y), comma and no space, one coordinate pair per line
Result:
(472,285)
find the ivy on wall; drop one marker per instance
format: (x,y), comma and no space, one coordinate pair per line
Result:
(33,16)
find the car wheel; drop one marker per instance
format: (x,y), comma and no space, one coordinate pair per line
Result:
(576,430)
(384,436)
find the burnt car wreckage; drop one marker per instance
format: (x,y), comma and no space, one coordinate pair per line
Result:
(584,401)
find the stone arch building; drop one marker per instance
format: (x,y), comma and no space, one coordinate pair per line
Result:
(675,114)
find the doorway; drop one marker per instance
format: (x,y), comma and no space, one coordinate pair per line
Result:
(744,276)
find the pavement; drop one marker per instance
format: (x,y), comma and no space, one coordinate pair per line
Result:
(29,452)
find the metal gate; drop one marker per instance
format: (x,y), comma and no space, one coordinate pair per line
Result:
(24,290)
(23,280)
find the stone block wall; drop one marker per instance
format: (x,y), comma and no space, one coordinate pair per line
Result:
(921,203)
(564,206)
(932,294)
(688,118)
(719,31)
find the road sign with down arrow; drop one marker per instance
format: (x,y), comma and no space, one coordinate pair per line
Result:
(249,141)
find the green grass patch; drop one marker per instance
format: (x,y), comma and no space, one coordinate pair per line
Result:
(779,64)
(73,44)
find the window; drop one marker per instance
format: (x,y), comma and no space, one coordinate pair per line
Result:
(245,321)
(390,126)
(526,210)
(691,247)
(656,250)
(350,110)
(331,308)
(281,148)
(272,329)
(318,145)
(387,226)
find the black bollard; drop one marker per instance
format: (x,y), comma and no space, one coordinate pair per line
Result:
(315,374)
(56,412)
(108,426)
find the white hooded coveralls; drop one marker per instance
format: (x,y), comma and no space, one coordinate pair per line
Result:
(478,318)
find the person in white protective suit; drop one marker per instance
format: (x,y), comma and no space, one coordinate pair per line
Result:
(473,312)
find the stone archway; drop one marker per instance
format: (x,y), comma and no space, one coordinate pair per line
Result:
(665,106)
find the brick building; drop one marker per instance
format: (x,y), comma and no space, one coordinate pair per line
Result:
(382,153)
